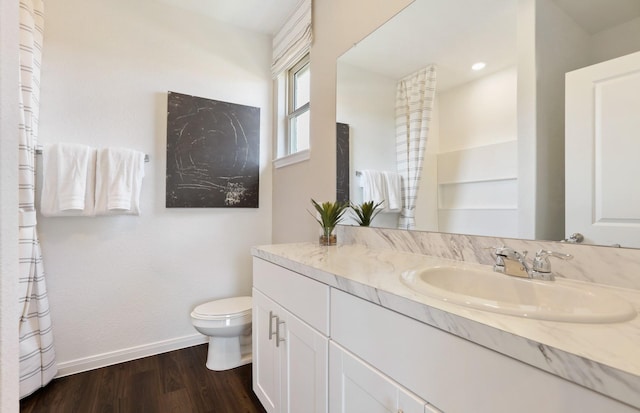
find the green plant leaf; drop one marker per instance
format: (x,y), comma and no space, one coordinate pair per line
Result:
(366,212)
(330,213)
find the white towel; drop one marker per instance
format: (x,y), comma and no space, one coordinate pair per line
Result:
(393,186)
(68,180)
(373,187)
(119,174)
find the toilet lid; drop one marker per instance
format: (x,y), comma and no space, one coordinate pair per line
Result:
(224,308)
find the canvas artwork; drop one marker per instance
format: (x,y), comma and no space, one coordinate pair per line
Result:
(342,162)
(213,153)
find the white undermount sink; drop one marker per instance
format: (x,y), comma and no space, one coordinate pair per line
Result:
(558,300)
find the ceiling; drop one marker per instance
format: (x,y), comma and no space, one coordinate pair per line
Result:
(597,15)
(262,16)
(457,33)
(453,33)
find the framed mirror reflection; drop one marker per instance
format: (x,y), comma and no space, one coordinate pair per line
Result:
(494,160)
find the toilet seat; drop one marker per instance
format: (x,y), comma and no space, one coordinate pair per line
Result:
(225,309)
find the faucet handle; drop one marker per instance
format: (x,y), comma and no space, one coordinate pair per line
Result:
(541,267)
(498,266)
(546,253)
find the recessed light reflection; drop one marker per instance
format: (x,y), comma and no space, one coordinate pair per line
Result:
(478,66)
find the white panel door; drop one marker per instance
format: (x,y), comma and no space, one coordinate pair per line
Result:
(356,387)
(602,152)
(266,356)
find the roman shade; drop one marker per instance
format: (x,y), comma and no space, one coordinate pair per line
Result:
(293,40)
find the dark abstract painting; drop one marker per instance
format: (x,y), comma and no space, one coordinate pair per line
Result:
(213,153)
(342,162)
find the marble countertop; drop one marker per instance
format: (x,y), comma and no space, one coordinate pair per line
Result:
(602,357)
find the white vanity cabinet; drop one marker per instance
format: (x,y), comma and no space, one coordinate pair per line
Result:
(318,349)
(290,343)
(356,387)
(449,372)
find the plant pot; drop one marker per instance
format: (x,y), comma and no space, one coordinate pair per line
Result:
(328,240)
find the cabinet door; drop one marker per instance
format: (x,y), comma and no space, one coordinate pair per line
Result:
(356,387)
(304,367)
(266,356)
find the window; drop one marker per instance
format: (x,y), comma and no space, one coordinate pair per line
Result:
(292,74)
(298,85)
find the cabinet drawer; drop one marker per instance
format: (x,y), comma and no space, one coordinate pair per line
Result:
(452,373)
(306,298)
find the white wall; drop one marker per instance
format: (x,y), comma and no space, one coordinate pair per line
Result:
(616,41)
(123,287)
(561,46)
(478,113)
(549,44)
(366,101)
(477,161)
(9,374)
(338,24)
(427,195)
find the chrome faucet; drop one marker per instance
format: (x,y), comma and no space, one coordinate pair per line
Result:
(512,262)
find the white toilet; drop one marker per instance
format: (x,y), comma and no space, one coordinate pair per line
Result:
(227,322)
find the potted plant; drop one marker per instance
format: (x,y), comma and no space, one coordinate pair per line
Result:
(366,212)
(330,214)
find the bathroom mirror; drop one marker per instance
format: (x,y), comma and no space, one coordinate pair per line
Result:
(496,135)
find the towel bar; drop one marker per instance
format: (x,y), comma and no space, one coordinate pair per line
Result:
(146,156)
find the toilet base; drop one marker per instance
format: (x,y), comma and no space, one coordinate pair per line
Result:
(226,353)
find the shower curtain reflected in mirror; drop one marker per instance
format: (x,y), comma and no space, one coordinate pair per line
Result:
(414,103)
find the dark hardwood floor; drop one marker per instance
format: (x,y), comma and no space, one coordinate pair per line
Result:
(177,381)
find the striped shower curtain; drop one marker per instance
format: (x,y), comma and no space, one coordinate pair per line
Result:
(414,103)
(37,356)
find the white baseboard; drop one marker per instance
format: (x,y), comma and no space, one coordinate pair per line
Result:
(120,356)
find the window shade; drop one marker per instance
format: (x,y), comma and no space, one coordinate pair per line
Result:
(293,40)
